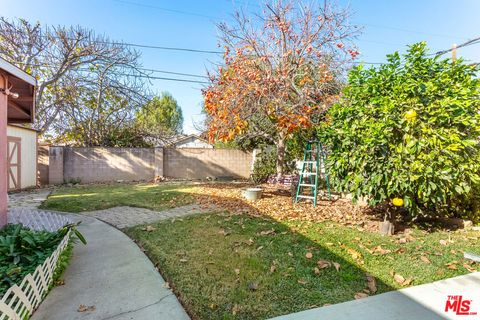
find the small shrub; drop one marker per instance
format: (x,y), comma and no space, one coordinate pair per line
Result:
(408,129)
(73,181)
(264,166)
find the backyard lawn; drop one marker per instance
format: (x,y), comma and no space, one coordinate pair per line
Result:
(245,267)
(267,258)
(98,197)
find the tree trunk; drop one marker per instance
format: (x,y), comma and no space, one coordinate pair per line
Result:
(280,154)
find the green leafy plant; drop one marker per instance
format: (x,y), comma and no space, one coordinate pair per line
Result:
(22,250)
(409,130)
(266,164)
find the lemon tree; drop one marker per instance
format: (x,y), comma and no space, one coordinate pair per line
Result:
(407,132)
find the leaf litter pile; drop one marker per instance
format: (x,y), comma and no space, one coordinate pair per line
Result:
(279,205)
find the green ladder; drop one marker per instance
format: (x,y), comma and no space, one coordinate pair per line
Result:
(312,158)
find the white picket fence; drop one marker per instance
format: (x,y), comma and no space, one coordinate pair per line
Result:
(21,300)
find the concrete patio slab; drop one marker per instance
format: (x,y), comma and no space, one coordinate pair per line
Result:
(112,274)
(424,302)
(28,199)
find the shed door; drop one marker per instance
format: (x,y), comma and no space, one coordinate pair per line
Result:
(14,169)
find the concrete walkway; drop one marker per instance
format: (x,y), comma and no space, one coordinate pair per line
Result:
(111,274)
(123,217)
(420,302)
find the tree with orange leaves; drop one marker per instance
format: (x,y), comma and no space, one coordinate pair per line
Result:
(281,71)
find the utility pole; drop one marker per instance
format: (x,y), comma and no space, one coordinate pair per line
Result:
(454,52)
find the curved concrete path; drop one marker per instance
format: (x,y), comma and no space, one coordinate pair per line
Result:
(112,274)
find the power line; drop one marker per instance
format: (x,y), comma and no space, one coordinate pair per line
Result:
(139,45)
(411,31)
(159,47)
(135,75)
(465,44)
(136,68)
(165,9)
(163,78)
(173,72)
(366,24)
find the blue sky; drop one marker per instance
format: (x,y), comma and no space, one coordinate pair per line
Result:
(387,26)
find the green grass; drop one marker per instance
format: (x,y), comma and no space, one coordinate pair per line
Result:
(98,197)
(200,262)
(220,265)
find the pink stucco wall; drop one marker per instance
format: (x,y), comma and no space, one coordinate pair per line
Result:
(3,154)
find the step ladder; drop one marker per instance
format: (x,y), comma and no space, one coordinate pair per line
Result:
(307,187)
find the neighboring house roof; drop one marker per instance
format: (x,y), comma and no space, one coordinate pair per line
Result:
(188,137)
(174,141)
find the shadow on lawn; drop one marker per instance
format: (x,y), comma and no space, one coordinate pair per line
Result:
(276,274)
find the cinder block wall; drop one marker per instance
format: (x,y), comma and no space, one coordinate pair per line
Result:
(108,164)
(192,163)
(134,164)
(43,160)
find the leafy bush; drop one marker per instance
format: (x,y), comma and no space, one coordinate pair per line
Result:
(264,166)
(409,130)
(22,250)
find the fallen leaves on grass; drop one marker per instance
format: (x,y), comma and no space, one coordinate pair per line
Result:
(452,265)
(401,280)
(371,283)
(309,255)
(278,205)
(336,265)
(378,250)
(469,268)
(322,264)
(149,229)
(353,253)
(236,309)
(267,232)
(360,295)
(424,259)
(224,232)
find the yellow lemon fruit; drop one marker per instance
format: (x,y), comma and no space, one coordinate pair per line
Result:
(411,115)
(398,202)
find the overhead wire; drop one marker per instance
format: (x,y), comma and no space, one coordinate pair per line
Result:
(136,75)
